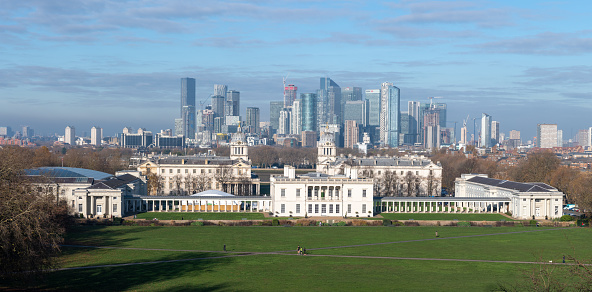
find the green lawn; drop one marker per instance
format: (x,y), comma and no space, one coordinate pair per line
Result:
(196,216)
(445,216)
(322,270)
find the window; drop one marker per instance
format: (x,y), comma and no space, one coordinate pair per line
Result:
(349,193)
(203,171)
(401,172)
(336,208)
(99,209)
(194,170)
(162,171)
(297,192)
(79,208)
(310,208)
(72,203)
(364,193)
(283,208)
(431,172)
(283,191)
(186,170)
(324,208)
(331,208)
(309,193)
(348,208)
(178,170)
(316,208)
(171,170)
(114,208)
(417,173)
(523,200)
(556,210)
(297,208)
(363,208)
(209,171)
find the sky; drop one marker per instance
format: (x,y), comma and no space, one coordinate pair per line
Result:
(118,63)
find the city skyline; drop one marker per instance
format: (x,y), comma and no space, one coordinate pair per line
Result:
(115,64)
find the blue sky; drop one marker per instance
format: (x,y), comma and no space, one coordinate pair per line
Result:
(119,63)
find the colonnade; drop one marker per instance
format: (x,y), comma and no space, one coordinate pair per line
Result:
(431,205)
(190,204)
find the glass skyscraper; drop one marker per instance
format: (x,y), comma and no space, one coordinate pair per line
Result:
(188,107)
(486,131)
(390,114)
(274,114)
(373,98)
(309,111)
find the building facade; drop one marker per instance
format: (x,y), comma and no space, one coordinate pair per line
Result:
(389,114)
(70,135)
(546,136)
(485,140)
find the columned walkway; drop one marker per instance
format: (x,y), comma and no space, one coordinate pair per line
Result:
(197,204)
(441,205)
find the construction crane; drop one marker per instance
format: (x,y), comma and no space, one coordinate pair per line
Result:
(465,121)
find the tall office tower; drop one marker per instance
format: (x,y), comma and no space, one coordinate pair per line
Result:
(442,108)
(495,132)
(357,111)
(390,98)
(349,94)
(188,107)
(546,136)
(560,138)
(515,135)
(309,138)
(207,120)
(582,138)
(329,102)
(373,98)
(218,123)
(218,103)
(284,122)
(252,120)
(431,129)
(422,110)
(178,127)
(485,140)
(220,90)
(463,135)
(407,129)
(28,132)
(274,114)
(414,118)
(351,134)
(70,136)
(96,136)
(290,95)
(309,111)
(590,136)
(5,131)
(234,97)
(296,127)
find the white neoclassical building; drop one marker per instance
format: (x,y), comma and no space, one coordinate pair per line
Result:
(318,194)
(525,199)
(413,175)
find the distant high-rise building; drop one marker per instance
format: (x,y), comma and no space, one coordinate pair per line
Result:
(252,119)
(70,135)
(351,94)
(274,114)
(390,97)
(495,132)
(188,107)
(431,129)
(329,102)
(6,131)
(373,98)
(142,138)
(309,111)
(220,90)
(560,138)
(463,135)
(485,141)
(414,118)
(296,127)
(356,110)
(96,136)
(590,136)
(233,96)
(218,123)
(442,108)
(28,132)
(284,122)
(218,102)
(351,134)
(290,95)
(582,138)
(546,136)
(515,135)
(407,129)
(178,127)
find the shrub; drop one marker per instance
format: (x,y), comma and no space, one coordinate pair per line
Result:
(509,213)
(275,222)
(341,223)
(532,222)
(117,220)
(358,222)
(411,223)
(463,224)
(386,222)
(197,223)
(566,218)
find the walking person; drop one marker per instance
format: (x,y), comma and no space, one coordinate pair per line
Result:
(298,250)
(436,233)
(225,248)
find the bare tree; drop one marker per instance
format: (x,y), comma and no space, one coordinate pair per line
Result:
(155,184)
(411,183)
(223,176)
(200,183)
(432,186)
(31,221)
(188,183)
(389,183)
(177,182)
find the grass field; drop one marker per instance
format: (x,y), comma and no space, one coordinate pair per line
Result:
(263,258)
(445,216)
(197,216)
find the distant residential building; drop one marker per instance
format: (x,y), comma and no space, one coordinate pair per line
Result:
(485,140)
(389,114)
(218,102)
(515,134)
(284,122)
(431,128)
(142,138)
(351,133)
(28,132)
(582,137)
(290,94)
(495,132)
(179,127)
(296,126)
(70,135)
(6,131)
(252,120)
(546,136)
(463,135)
(96,136)
(559,138)
(233,97)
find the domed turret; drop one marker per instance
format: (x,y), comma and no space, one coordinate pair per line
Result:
(238,145)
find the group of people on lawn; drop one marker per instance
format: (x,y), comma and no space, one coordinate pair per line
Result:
(301,250)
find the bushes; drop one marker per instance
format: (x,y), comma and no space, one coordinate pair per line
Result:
(275,222)
(386,222)
(533,223)
(197,223)
(566,218)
